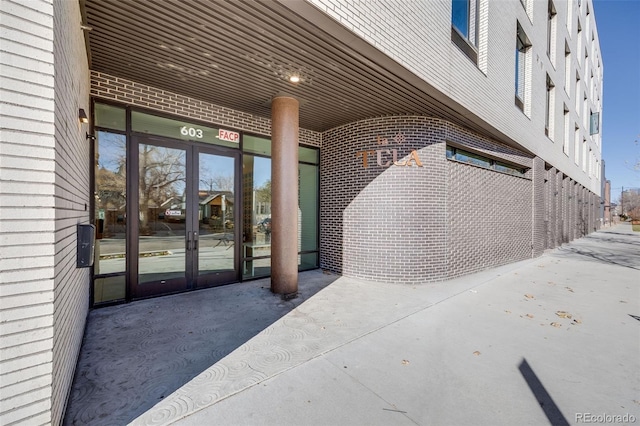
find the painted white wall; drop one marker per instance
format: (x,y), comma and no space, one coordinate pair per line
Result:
(418,36)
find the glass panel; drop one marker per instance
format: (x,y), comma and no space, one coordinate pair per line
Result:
(109,289)
(505,168)
(450,152)
(460,16)
(470,158)
(110,203)
(256,145)
(162,213)
(308,155)
(308,205)
(215,215)
(256,268)
(256,193)
(308,261)
(176,129)
(111,117)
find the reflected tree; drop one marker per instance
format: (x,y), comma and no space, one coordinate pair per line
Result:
(162,176)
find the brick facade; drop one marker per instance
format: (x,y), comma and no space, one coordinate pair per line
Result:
(381,222)
(117,89)
(44,194)
(441,220)
(72,198)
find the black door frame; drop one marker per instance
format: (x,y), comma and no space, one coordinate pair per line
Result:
(192,280)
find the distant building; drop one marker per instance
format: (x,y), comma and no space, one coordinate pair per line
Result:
(405,141)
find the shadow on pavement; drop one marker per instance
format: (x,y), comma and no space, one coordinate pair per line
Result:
(135,355)
(621,250)
(545,400)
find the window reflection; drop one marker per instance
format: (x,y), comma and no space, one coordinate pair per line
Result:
(256,231)
(110,204)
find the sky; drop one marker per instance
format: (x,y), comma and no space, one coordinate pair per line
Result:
(618,23)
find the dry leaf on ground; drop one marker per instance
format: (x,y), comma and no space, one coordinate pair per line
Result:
(563,314)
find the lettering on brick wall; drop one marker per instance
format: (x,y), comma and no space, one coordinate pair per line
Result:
(387,157)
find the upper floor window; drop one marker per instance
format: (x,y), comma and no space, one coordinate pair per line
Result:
(567,129)
(464,26)
(522,48)
(549,110)
(579,37)
(551,32)
(567,68)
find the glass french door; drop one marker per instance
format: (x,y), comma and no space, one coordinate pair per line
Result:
(187,209)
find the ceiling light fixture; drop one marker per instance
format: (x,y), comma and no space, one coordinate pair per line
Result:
(294,79)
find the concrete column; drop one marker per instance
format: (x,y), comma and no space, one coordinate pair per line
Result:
(284,195)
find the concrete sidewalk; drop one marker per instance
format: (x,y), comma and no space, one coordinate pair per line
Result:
(552,340)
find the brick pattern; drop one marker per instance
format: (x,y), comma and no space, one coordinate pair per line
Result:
(538,207)
(384,223)
(108,87)
(489,219)
(27,214)
(411,224)
(442,220)
(45,193)
(560,209)
(72,198)
(550,211)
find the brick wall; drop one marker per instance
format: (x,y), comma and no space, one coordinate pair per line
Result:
(72,197)
(538,207)
(416,224)
(108,87)
(559,209)
(384,222)
(27,215)
(45,186)
(489,212)
(550,203)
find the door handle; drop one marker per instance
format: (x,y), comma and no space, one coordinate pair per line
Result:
(188,240)
(195,240)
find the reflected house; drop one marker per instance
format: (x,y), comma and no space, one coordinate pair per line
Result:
(172,209)
(216,210)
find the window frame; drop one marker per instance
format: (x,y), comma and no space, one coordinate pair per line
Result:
(523,45)
(467,43)
(549,108)
(551,28)
(461,155)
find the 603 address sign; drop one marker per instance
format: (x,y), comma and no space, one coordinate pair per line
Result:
(191,132)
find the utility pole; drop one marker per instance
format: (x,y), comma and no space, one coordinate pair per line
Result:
(622,201)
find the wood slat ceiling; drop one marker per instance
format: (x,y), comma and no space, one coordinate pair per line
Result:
(240,54)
